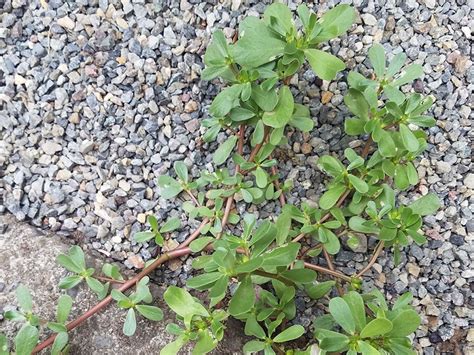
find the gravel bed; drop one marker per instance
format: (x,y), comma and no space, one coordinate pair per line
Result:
(99,97)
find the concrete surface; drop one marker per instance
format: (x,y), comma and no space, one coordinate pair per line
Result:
(27,256)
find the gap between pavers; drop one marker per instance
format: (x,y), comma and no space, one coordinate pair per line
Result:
(27,256)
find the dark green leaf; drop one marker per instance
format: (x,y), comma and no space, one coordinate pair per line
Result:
(249,266)
(174,347)
(94,285)
(224,150)
(409,74)
(356,304)
(181,170)
(253,346)
(366,348)
(225,101)
(330,197)
(358,224)
(169,187)
(183,304)
(335,22)
(330,165)
(66,262)
(291,333)
(359,184)
(376,327)
(203,281)
(408,138)
(200,243)
(266,100)
(404,323)
(170,225)
(325,65)
(357,104)
(256,45)
(342,314)
(302,276)
(283,225)
(279,17)
(70,281)
(112,271)
(377,58)
(243,299)
(141,237)
(320,289)
(425,205)
(239,114)
(301,118)
(253,328)
(260,177)
(283,111)
(281,256)
(396,64)
(332,341)
(150,312)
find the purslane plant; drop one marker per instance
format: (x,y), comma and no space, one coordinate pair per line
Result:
(254,270)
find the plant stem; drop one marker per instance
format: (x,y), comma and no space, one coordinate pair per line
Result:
(191,195)
(328,258)
(230,199)
(327,271)
(194,235)
(102,304)
(106,279)
(277,186)
(287,282)
(373,259)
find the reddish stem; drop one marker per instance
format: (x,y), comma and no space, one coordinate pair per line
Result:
(373,259)
(102,304)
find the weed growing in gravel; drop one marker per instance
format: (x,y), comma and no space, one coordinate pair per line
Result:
(253,271)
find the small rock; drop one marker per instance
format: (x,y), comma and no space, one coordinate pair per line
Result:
(469,181)
(66,22)
(369,19)
(51,148)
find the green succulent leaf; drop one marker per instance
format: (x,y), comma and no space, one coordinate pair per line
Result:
(404,323)
(130,325)
(336,22)
(222,153)
(331,196)
(70,281)
(170,225)
(23,297)
(243,299)
(150,312)
(376,327)
(377,58)
(342,314)
(26,339)
(169,187)
(325,65)
(291,333)
(257,45)
(60,342)
(426,205)
(225,101)
(64,308)
(282,113)
(409,139)
(181,170)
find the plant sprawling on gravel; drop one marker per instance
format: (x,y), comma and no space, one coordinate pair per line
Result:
(253,271)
